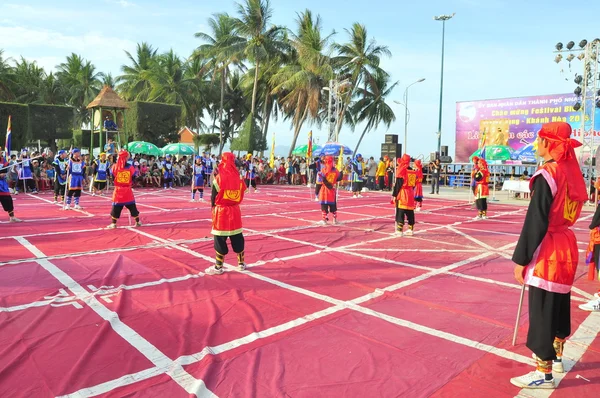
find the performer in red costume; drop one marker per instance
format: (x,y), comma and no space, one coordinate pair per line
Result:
(482,189)
(403,196)
(592,258)
(419,185)
(123,174)
(330,176)
(227,195)
(546,255)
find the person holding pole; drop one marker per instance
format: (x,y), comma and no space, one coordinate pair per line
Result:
(546,254)
(60,176)
(482,189)
(330,176)
(5,198)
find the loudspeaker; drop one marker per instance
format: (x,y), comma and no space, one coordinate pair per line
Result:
(445,159)
(391,138)
(432,157)
(444,150)
(391,150)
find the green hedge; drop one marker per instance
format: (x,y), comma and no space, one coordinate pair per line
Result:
(50,122)
(20,122)
(152,122)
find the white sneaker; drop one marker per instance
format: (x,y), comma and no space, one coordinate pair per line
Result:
(322,222)
(15,219)
(77,207)
(316,199)
(592,305)
(55,202)
(214,270)
(111,226)
(335,221)
(353,197)
(597,295)
(93,194)
(478,218)
(16,192)
(418,209)
(67,207)
(534,380)
(193,201)
(138,224)
(399,233)
(484,217)
(242,267)
(409,232)
(359,196)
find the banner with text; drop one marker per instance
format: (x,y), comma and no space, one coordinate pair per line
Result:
(520,120)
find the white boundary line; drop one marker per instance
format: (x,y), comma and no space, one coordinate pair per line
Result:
(153,354)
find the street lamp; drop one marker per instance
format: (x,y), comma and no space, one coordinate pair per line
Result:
(442,18)
(406,112)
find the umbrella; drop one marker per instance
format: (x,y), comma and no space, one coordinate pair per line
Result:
(301,150)
(144,148)
(333,149)
(178,149)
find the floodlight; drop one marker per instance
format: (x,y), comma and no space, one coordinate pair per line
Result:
(559,46)
(570,45)
(578,79)
(577,107)
(570,57)
(582,43)
(577,91)
(581,56)
(558,58)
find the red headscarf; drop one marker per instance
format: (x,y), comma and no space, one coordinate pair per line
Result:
(475,159)
(484,166)
(227,168)
(328,165)
(561,149)
(418,164)
(403,163)
(122,160)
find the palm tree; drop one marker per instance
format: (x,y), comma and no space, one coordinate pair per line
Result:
(28,78)
(262,42)
(299,84)
(52,91)
(109,80)
(133,85)
(219,48)
(82,84)
(6,74)
(371,107)
(358,59)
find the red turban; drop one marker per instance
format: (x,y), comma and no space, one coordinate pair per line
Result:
(122,160)
(560,147)
(328,165)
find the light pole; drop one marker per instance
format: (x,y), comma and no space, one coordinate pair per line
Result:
(405,104)
(442,18)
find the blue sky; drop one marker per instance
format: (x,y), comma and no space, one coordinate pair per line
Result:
(494,48)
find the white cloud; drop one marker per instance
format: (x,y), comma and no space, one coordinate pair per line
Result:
(122,3)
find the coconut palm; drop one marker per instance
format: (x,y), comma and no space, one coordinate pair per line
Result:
(6,75)
(371,106)
(358,59)
(299,84)
(52,91)
(82,84)
(220,50)
(109,80)
(133,84)
(27,78)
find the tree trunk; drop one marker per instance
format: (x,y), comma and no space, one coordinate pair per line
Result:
(255,89)
(266,118)
(340,120)
(223,78)
(297,131)
(360,140)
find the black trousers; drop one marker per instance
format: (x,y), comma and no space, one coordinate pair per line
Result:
(30,184)
(74,192)
(356,186)
(117,209)
(381,182)
(251,183)
(59,189)
(596,254)
(237,243)
(549,317)
(7,203)
(390,180)
(481,204)
(409,214)
(329,208)
(100,185)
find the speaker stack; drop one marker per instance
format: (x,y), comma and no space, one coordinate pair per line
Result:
(444,158)
(391,148)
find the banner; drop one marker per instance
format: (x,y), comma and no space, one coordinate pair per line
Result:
(519,120)
(309,150)
(7,143)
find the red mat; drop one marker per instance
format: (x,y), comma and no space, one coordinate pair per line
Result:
(285,327)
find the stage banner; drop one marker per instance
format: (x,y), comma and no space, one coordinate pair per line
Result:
(511,124)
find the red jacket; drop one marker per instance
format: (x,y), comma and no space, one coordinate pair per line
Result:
(123,194)
(556,263)
(227,216)
(482,188)
(406,195)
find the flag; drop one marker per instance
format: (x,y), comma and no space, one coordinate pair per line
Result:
(8,137)
(309,147)
(483,145)
(340,162)
(272,158)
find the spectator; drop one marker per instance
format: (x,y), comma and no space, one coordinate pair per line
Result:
(371,169)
